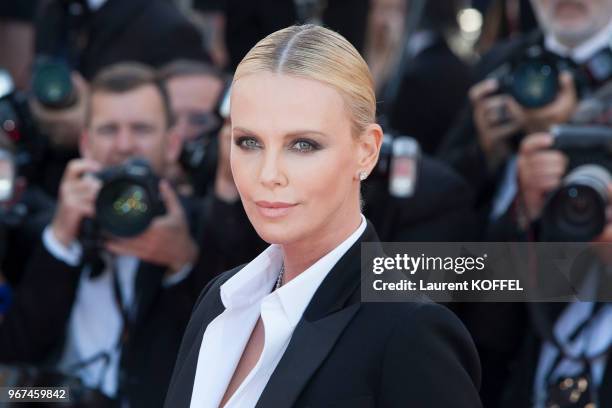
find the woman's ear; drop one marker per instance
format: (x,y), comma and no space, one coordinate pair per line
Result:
(369,148)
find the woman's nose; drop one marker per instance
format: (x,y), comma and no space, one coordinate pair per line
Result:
(272,172)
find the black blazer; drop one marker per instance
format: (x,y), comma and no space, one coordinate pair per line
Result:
(441,208)
(152,32)
(431,93)
(344,353)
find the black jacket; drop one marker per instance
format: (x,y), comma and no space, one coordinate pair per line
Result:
(152,32)
(431,93)
(344,353)
(441,208)
(34,329)
(461,148)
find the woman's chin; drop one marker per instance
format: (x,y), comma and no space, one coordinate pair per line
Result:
(279,233)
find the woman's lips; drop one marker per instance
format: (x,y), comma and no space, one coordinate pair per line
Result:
(273,209)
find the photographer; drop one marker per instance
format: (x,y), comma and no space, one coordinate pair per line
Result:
(525,86)
(74,40)
(196,92)
(484,146)
(132,296)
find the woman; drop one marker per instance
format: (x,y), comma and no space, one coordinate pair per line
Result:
(288,329)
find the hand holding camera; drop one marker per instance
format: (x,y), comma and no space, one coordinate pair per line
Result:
(77,199)
(166,241)
(540,171)
(127,210)
(566,181)
(59,107)
(497,118)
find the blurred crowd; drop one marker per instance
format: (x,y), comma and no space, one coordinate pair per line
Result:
(117,203)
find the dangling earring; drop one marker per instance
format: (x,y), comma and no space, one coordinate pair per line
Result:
(363,175)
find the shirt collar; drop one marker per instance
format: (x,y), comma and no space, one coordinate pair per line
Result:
(297,294)
(256,280)
(584,51)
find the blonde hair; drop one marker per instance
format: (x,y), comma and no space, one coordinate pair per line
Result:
(320,54)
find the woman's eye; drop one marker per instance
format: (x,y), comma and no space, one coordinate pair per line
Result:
(247,143)
(304,146)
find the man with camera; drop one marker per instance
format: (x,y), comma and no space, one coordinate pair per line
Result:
(197,91)
(526,85)
(123,238)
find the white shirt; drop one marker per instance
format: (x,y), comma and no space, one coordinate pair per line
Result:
(95,320)
(246,296)
(584,51)
(594,338)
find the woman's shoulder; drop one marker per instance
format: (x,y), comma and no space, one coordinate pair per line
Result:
(429,341)
(421,312)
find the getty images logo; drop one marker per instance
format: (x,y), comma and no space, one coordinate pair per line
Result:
(413,264)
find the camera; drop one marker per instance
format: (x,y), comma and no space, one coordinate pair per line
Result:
(52,84)
(576,211)
(127,202)
(199,156)
(17,123)
(531,78)
(398,164)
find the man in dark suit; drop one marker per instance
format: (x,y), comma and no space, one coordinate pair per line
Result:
(131,300)
(153,32)
(514,182)
(344,353)
(440,209)
(245,23)
(431,92)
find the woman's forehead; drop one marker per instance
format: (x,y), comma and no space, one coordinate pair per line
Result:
(270,100)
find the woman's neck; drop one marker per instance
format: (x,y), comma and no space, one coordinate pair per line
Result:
(301,255)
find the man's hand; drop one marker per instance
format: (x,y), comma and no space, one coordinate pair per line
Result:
(559,111)
(64,126)
(166,241)
(540,171)
(77,196)
(495,117)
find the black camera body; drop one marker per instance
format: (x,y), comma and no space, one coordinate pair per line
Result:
(576,211)
(18,124)
(127,202)
(531,78)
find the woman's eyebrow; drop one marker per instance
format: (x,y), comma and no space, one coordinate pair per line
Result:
(243,130)
(303,133)
(289,135)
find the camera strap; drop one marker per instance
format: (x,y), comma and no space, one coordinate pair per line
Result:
(580,386)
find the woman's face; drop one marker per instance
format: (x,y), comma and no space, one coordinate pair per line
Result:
(293,157)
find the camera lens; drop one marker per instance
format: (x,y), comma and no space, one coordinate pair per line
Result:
(578,207)
(52,84)
(123,208)
(577,211)
(535,83)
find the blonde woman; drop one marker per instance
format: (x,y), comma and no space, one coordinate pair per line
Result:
(288,329)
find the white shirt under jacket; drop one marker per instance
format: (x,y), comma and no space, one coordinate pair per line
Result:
(247,296)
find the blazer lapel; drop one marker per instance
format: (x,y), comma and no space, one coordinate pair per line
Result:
(331,309)
(181,388)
